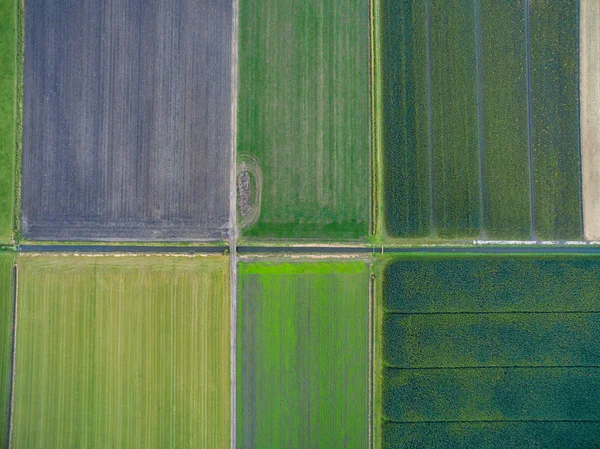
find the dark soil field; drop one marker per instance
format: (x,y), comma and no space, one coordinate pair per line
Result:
(491,352)
(127,120)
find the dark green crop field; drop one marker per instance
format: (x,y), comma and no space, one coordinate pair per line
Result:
(479,110)
(6,333)
(405,136)
(505,150)
(304,118)
(502,434)
(8,92)
(555,131)
(481,351)
(456,190)
(303,356)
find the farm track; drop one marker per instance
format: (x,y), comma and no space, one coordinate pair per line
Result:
(529,114)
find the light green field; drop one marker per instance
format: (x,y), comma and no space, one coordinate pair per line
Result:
(303,358)
(122,352)
(6,320)
(304,117)
(8,74)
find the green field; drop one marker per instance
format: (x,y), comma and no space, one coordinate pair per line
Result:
(405,133)
(505,149)
(555,96)
(478,351)
(456,190)
(304,117)
(6,332)
(8,74)
(303,356)
(122,352)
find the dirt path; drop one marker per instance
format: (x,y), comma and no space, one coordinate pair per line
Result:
(430,112)
(479,113)
(589,97)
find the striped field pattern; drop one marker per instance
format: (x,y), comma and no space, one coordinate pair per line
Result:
(122,352)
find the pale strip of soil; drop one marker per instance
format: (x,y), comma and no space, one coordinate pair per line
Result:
(589,60)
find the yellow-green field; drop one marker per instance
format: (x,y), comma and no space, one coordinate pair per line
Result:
(122,352)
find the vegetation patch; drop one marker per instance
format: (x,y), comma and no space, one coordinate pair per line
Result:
(304,116)
(128,351)
(303,357)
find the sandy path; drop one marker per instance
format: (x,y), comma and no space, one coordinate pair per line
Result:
(589,51)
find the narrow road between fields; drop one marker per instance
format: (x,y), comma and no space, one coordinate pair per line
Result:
(13,356)
(479,113)
(430,112)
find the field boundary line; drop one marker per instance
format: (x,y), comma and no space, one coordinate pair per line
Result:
(478,69)
(430,112)
(529,117)
(233,231)
(14,355)
(440,368)
(450,421)
(510,312)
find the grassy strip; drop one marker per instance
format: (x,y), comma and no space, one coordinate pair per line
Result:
(495,435)
(304,115)
(303,360)
(555,94)
(492,284)
(506,202)
(8,83)
(122,352)
(405,137)
(6,323)
(457,202)
(491,394)
(19,116)
(422,341)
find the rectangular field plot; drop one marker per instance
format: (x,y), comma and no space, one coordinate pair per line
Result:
(473,144)
(480,351)
(122,352)
(555,131)
(127,120)
(6,337)
(8,94)
(303,356)
(303,143)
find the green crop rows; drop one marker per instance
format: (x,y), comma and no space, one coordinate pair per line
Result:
(122,352)
(455,119)
(8,74)
(304,115)
(405,129)
(505,149)
(303,355)
(480,350)
(555,94)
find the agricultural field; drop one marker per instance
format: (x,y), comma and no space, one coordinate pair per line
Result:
(487,351)
(6,333)
(555,116)
(128,351)
(303,119)
(303,355)
(468,94)
(589,88)
(8,114)
(127,120)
